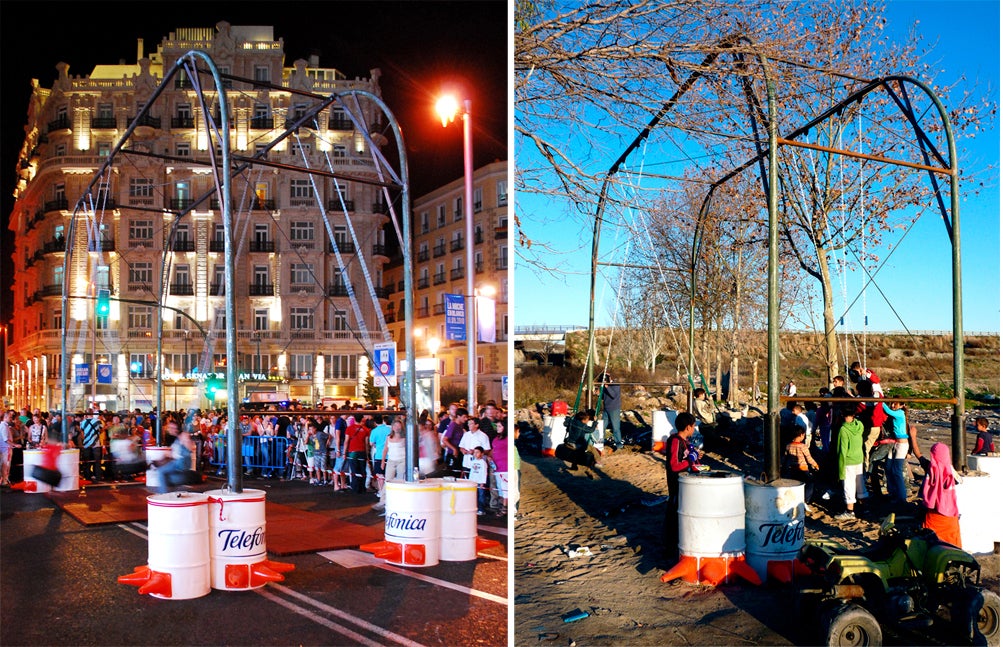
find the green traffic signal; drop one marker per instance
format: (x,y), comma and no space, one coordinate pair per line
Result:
(103,308)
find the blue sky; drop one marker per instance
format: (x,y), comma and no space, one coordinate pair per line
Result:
(916,278)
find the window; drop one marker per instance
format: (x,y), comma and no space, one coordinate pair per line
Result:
(60,150)
(104,149)
(302,148)
(140,365)
(339,320)
(440,219)
(300,318)
(140,187)
(57,320)
(459,366)
(140,317)
(503,222)
(260,232)
(301,273)
(57,275)
(184,111)
(183,149)
(300,189)
(261,73)
(140,230)
(341,367)
(141,273)
(478,198)
(298,111)
(261,275)
(218,279)
(219,319)
(182,275)
(341,234)
(183,232)
(102,277)
(260,111)
(59,192)
(458,209)
(301,366)
(217,234)
(502,257)
(502,193)
(106,111)
(339,150)
(261,319)
(424,222)
(299,231)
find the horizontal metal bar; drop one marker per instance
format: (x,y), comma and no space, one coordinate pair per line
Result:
(875,158)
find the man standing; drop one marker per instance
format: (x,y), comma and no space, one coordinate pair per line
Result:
(611,409)
(451,440)
(90,448)
(6,449)
(377,439)
(471,439)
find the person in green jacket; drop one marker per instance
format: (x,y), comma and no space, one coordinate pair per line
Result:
(850,456)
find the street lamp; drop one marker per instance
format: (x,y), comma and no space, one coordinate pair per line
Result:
(447,107)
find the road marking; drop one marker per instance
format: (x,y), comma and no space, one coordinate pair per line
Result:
(333,626)
(380,631)
(443,583)
(500,558)
(498,530)
(135,532)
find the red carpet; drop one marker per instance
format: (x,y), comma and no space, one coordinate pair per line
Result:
(290,530)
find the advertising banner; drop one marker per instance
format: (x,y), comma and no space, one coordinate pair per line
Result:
(456,319)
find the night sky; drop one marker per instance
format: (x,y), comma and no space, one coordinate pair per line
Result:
(420,48)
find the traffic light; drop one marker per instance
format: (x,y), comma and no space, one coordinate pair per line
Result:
(103,308)
(214,385)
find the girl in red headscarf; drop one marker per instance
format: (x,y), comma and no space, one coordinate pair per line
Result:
(939,496)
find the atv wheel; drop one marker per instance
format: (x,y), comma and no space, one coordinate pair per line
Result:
(988,622)
(851,624)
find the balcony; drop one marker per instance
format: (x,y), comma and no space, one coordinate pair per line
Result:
(303,334)
(182,246)
(335,205)
(182,289)
(421,311)
(217,289)
(478,237)
(302,288)
(262,122)
(59,204)
(103,122)
(180,204)
(439,309)
(302,244)
(344,247)
(337,290)
(261,289)
(381,207)
(439,250)
(139,286)
(382,292)
(148,122)
(422,255)
(62,123)
(501,232)
(217,246)
(101,245)
(456,274)
(501,263)
(262,246)
(49,291)
(183,122)
(340,124)
(146,243)
(57,244)
(421,283)
(292,119)
(379,250)
(439,278)
(456,244)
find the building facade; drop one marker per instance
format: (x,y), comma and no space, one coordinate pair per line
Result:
(305,244)
(439,248)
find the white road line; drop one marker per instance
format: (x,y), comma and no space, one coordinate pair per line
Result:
(500,558)
(135,532)
(397,638)
(443,583)
(319,619)
(498,530)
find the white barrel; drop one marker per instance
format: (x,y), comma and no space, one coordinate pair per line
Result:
(663,425)
(459,521)
(178,529)
(980,529)
(154,454)
(554,432)
(413,521)
(774,522)
(68,465)
(599,435)
(711,514)
(33,457)
(990,464)
(236,538)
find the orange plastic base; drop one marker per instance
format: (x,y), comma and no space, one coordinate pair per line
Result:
(483,544)
(548,452)
(407,554)
(711,570)
(149,581)
(786,570)
(25,486)
(658,446)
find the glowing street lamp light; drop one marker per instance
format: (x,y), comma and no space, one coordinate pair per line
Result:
(448,106)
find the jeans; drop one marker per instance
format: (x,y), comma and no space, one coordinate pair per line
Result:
(611,420)
(896,480)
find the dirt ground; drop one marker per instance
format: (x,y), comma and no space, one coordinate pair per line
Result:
(606,510)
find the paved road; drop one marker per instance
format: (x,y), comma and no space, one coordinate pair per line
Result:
(58,587)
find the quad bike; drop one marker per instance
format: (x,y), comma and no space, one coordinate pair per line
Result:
(914,587)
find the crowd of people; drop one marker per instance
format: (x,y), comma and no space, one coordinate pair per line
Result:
(349,450)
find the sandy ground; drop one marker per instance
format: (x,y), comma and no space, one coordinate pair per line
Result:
(605,509)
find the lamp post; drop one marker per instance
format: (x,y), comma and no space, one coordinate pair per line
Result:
(447,107)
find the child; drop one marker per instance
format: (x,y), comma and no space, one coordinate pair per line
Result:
(984,441)
(850,459)
(939,495)
(479,474)
(798,460)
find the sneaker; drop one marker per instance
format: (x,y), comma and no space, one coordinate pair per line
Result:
(846,516)
(480,513)
(379,506)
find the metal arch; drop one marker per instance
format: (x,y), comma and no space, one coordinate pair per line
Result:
(772,455)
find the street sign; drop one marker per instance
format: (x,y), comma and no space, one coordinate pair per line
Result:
(385,359)
(104,373)
(456,319)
